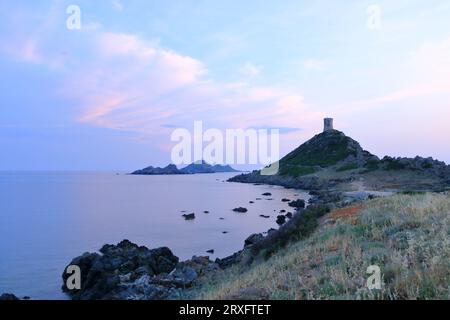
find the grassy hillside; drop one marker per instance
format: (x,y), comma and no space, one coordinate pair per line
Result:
(408,236)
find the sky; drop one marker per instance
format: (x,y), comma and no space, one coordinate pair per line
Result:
(107,96)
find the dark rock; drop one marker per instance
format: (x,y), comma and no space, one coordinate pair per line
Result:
(183,276)
(210,251)
(267,194)
(240,209)
(221,218)
(108,276)
(264,216)
(206,212)
(299,204)
(201,265)
(282,211)
(8,297)
(229,261)
(224,232)
(253,239)
(285,200)
(251,202)
(258,198)
(281,219)
(190,216)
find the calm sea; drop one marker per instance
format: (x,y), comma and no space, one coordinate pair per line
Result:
(48,218)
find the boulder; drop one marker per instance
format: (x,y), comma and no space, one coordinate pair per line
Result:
(299,204)
(281,219)
(103,275)
(190,216)
(240,209)
(253,239)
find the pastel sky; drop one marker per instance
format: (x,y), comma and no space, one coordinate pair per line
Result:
(109,95)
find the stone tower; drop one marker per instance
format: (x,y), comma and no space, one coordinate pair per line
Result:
(327,124)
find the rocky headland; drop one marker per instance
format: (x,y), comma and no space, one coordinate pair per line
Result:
(332,161)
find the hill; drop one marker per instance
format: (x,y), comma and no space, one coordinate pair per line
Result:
(332,160)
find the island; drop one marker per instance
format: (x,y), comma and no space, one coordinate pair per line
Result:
(193,168)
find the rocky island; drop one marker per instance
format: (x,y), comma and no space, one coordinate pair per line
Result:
(193,168)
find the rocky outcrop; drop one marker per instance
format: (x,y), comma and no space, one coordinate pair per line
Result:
(190,216)
(127,271)
(8,297)
(281,219)
(298,204)
(332,160)
(254,238)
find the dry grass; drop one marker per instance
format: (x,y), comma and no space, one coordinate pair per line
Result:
(408,236)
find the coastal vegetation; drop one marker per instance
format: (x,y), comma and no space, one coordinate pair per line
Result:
(326,257)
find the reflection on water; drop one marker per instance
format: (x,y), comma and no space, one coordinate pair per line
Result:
(46,219)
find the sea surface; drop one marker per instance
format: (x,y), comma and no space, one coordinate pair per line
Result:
(48,218)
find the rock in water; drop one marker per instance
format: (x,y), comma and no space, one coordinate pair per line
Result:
(281,220)
(240,209)
(190,216)
(299,204)
(113,273)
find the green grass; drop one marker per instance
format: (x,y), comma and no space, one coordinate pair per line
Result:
(347,167)
(407,236)
(296,171)
(324,150)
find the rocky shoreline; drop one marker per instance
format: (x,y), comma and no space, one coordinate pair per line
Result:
(127,271)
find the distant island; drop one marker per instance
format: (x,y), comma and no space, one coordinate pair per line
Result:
(193,168)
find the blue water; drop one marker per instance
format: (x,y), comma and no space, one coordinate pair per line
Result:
(47,218)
